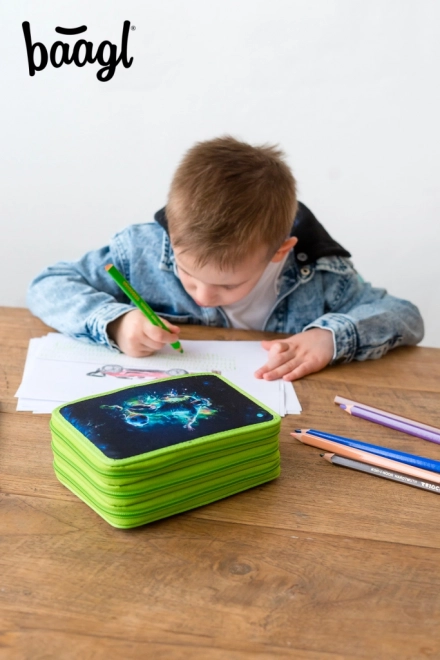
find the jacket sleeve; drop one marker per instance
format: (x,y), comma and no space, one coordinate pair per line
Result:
(79,298)
(366,322)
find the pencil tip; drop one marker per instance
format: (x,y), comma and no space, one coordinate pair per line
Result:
(181,350)
(108,266)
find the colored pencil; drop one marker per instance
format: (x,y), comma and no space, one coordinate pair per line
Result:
(139,301)
(392,421)
(366,457)
(386,452)
(380,472)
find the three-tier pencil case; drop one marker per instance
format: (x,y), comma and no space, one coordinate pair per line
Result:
(149,451)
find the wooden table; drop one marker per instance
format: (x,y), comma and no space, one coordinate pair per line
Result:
(324,562)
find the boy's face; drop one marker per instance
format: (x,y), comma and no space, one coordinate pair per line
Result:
(209,286)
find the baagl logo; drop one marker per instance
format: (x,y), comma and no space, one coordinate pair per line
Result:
(80,53)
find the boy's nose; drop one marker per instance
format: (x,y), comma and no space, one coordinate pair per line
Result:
(205,296)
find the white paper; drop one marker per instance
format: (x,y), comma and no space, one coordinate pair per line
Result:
(59,369)
(292,404)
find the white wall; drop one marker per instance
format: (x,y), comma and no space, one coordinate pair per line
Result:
(348,88)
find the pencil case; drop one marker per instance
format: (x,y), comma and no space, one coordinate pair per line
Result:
(149,451)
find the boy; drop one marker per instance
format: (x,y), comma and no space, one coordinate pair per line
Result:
(233,247)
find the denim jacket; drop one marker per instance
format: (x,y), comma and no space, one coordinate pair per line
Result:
(79,298)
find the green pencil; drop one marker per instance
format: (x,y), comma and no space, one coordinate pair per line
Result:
(138,301)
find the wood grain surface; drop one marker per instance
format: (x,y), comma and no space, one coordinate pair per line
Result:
(322,563)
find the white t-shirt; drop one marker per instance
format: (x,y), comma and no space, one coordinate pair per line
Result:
(251,312)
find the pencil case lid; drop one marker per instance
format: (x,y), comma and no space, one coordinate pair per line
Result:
(152,425)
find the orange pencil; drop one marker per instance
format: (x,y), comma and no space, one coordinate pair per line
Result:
(366,457)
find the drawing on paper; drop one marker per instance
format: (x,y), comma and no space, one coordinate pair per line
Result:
(117,371)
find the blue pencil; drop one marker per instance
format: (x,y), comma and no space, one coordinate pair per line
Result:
(386,452)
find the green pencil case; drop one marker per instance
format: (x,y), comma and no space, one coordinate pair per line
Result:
(149,451)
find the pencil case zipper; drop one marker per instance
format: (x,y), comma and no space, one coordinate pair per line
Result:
(143,512)
(120,470)
(235,466)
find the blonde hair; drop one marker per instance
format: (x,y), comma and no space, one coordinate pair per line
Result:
(228,198)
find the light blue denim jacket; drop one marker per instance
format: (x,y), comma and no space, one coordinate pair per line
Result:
(79,298)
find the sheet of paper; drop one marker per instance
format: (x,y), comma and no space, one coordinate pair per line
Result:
(30,357)
(60,369)
(292,404)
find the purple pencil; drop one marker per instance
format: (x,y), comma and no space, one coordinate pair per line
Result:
(390,420)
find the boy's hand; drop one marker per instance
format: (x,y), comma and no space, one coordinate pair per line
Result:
(137,337)
(297,356)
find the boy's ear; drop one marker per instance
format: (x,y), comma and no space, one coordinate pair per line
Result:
(288,245)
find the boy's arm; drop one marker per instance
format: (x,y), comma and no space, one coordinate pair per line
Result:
(362,323)
(79,298)
(365,321)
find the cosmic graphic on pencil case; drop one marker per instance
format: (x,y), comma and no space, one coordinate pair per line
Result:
(172,408)
(160,414)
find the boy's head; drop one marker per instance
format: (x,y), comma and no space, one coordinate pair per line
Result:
(230,211)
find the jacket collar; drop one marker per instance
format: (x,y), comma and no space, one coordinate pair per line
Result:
(314,241)
(167,260)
